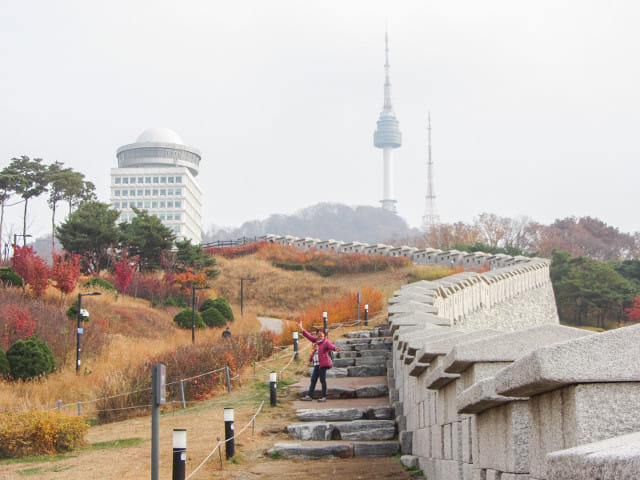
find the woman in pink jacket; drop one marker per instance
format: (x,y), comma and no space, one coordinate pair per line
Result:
(321,362)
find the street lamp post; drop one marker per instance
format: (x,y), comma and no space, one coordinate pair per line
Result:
(24,238)
(193,311)
(79,330)
(242,293)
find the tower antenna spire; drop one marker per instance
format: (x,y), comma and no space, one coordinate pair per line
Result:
(430,218)
(387,135)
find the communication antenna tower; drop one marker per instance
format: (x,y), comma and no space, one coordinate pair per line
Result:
(430,218)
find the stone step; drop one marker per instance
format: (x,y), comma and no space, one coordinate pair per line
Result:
(379,412)
(334,449)
(349,387)
(349,430)
(355,371)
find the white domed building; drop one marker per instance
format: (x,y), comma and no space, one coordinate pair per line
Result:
(157,174)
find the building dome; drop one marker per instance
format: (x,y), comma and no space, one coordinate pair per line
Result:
(159,135)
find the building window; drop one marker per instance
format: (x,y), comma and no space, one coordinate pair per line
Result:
(161,216)
(176,229)
(117,180)
(116,193)
(162,205)
(125,179)
(147,179)
(140,180)
(178,204)
(178,191)
(155,192)
(132,179)
(155,179)
(163,192)
(169,216)
(170,179)
(154,204)
(178,179)
(132,193)
(147,204)
(147,192)
(124,204)
(163,179)
(176,216)
(116,205)
(169,204)
(140,192)
(139,204)
(170,192)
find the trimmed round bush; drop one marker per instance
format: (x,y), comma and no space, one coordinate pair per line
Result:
(9,276)
(30,358)
(206,305)
(183,319)
(99,282)
(213,317)
(175,302)
(223,307)
(5,369)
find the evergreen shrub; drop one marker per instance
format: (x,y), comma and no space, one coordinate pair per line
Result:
(5,369)
(213,317)
(99,282)
(223,307)
(8,276)
(30,358)
(184,319)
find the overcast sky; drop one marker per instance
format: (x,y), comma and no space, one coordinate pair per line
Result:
(534,105)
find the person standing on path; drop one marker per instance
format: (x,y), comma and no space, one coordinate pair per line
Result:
(321,362)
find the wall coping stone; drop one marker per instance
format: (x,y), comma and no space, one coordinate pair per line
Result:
(482,396)
(507,347)
(610,356)
(614,458)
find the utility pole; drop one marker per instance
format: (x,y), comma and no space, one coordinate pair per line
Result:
(242,292)
(80,330)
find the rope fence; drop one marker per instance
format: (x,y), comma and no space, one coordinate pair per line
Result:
(281,353)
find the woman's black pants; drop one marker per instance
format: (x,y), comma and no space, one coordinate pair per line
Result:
(321,373)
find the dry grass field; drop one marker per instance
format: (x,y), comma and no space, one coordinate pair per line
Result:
(137,331)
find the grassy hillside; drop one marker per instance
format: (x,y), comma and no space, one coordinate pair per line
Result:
(125,332)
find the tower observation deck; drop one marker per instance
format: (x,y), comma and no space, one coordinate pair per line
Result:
(387,137)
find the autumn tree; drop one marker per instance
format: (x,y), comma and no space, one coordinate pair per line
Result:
(124,269)
(65,271)
(18,324)
(633,312)
(31,182)
(31,268)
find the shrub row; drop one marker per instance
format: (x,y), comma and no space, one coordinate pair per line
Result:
(183,362)
(40,433)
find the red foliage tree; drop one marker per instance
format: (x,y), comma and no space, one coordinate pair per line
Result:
(31,268)
(65,272)
(633,313)
(124,269)
(19,324)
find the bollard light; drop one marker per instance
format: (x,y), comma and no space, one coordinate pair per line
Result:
(324,322)
(179,453)
(295,345)
(366,314)
(228,433)
(273,381)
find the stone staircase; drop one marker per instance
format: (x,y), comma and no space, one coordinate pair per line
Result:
(356,420)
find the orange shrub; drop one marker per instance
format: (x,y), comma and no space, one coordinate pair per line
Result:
(40,433)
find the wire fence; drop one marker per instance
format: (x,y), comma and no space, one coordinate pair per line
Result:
(259,370)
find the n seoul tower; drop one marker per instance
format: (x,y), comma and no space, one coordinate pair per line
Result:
(387,136)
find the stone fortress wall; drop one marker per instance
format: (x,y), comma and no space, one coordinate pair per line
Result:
(485,383)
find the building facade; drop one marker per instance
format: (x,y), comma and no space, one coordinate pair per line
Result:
(158,173)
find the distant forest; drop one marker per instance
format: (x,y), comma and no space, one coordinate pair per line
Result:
(595,269)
